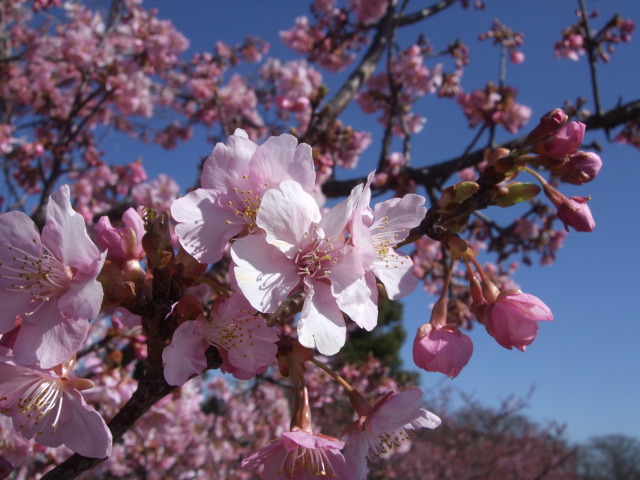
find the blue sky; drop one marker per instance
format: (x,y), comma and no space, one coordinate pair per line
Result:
(583,364)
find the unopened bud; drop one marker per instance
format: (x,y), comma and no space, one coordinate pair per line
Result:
(550,123)
(582,167)
(564,142)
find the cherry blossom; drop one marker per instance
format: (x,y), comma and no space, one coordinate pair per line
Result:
(303,248)
(234,179)
(391,223)
(50,281)
(49,406)
(302,456)
(383,426)
(123,243)
(563,142)
(248,343)
(512,319)
(445,350)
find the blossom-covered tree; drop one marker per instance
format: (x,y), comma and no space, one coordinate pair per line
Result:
(251,271)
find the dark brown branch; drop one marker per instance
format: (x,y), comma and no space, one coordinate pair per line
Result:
(591,45)
(321,121)
(436,175)
(287,309)
(152,387)
(415,17)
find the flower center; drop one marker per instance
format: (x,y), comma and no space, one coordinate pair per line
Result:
(40,405)
(307,461)
(43,277)
(245,203)
(229,334)
(384,242)
(319,255)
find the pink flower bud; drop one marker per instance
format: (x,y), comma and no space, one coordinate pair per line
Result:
(444,350)
(516,57)
(565,141)
(575,40)
(582,167)
(513,318)
(550,123)
(122,244)
(574,212)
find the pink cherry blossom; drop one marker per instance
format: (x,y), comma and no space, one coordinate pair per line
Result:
(581,168)
(50,281)
(369,11)
(157,194)
(394,219)
(494,106)
(576,213)
(248,343)
(445,350)
(564,142)
(377,233)
(51,408)
(122,243)
(513,318)
(303,248)
(13,446)
(234,179)
(516,57)
(549,124)
(383,426)
(302,456)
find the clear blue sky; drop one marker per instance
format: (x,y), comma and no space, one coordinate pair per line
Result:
(584,364)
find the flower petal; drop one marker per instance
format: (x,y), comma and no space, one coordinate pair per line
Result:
(321,323)
(203,230)
(263,273)
(185,355)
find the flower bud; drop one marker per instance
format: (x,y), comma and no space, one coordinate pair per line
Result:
(550,123)
(123,243)
(513,318)
(573,212)
(516,57)
(565,141)
(576,213)
(582,167)
(516,192)
(445,350)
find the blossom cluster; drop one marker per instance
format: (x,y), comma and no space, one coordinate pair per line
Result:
(577,38)
(251,270)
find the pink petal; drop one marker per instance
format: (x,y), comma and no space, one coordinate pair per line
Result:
(396,274)
(287,214)
(321,323)
(49,339)
(203,230)
(18,231)
(65,234)
(281,158)
(263,273)
(403,213)
(185,355)
(255,344)
(81,428)
(228,163)
(360,302)
(334,222)
(83,300)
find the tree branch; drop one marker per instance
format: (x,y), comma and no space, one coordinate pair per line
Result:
(323,119)
(425,12)
(436,175)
